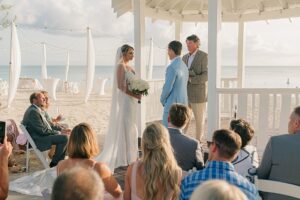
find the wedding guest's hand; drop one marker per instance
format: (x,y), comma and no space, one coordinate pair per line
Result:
(5,149)
(59,118)
(66,131)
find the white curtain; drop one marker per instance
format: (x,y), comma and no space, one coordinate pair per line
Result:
(90,65)
(15,65)
(67,66)
(150,61)
(44,63)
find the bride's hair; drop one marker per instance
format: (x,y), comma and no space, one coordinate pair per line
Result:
(161,169)
(125,48)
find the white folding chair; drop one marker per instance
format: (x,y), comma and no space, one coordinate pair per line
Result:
(34,148)
(278,187)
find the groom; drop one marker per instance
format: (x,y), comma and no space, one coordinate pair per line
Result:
(176,79)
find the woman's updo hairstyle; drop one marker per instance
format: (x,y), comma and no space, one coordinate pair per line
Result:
(244,129)
(125,48)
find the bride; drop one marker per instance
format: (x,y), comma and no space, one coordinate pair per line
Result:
(121,142)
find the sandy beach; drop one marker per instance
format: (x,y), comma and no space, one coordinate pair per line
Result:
(94,112)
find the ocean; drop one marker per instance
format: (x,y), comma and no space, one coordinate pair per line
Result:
(255,76)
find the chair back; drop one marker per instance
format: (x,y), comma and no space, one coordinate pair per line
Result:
(277,187)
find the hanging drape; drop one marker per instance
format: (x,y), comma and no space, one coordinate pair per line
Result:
(90,65)
(15,64)
(67,66)
(44,63)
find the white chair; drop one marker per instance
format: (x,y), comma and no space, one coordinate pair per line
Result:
(34,148)
(278,187)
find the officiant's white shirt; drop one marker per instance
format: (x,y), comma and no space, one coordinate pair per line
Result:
(191,59)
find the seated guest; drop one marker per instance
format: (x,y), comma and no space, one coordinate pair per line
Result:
(248,157)
(156,175)
(54,122)
(187,150)
(5,151)
(222,151)
(81,149)
(78,184)
(280,161)
(218,190)
(40,130)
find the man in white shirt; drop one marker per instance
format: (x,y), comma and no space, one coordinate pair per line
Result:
(196,62)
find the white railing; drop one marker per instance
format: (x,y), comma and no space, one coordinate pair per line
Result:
(154,109)
(266,109)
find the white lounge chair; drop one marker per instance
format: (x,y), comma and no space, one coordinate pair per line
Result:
(39,154)
(278,187)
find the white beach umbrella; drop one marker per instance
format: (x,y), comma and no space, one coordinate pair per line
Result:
(67,66)
(150,61)
(15,64)
(90,65)
(44,63)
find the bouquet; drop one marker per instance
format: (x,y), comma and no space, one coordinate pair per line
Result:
(138,86)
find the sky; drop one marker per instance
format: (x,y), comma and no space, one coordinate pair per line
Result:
(272,43)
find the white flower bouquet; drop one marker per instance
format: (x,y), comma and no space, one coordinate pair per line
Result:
(138,86)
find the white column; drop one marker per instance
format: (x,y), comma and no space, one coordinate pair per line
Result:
(178,30)
(150,60)
(241,55)
(139,47)
(214,64)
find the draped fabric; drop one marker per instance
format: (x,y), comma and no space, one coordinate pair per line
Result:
(67,67)
(44,63)
(90,65)
(15,65)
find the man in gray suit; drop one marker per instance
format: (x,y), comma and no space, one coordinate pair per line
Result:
(196,62)
(40,130)
(187,150)
(281,161)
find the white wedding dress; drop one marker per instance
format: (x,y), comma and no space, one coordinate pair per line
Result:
(121,141)
(120,146)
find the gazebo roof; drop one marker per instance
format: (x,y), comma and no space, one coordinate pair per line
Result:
(197,10)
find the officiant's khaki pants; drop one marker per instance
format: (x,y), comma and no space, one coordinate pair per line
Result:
(199,111)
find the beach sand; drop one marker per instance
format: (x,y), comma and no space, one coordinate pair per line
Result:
(95,112)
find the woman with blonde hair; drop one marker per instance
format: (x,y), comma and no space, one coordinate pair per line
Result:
(157,174)
(218,190)
(82,148)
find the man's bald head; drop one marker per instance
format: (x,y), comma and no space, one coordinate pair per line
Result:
(78,184)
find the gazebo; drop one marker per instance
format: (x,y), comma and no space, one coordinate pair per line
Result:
(268,109)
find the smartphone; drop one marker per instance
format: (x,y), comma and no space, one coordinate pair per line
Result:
(2,131)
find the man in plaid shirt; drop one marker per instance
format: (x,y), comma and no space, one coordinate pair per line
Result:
(226,144)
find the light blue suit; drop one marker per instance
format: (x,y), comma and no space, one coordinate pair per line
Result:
(175,87)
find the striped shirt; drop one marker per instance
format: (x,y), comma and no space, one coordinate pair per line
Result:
(217,170)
